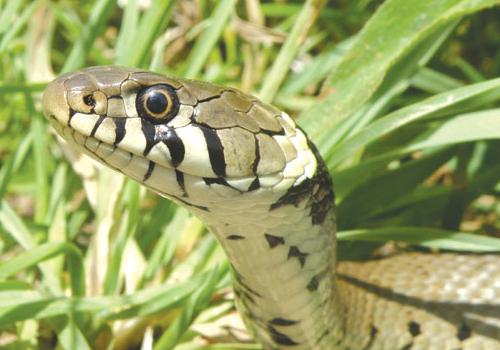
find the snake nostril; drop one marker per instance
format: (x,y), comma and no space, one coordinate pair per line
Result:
(89,100)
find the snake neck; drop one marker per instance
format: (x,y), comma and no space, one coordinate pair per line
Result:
(282,251)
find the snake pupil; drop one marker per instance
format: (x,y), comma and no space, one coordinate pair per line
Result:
(157,102)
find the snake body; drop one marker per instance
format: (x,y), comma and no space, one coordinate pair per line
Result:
(261,187)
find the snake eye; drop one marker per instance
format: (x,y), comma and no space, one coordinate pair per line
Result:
(157,103)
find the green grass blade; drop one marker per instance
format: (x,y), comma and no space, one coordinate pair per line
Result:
(94,26)
(379,191)
(410,114)
(14,286)
(317,69)
(19,23)
(14,226)
(45,252)
(18,306)
(281,65)
(196,303)
(397,80)
(154,300)
(392,32)
(40,154)
(58,190)
(427,237)
(71,337)
(8,14)
(164,249)
(482,125)
(433,81)
(197,260)
(130,220)
(347,179)
(208,39)
(152,23)
(128,28)
(12,165)
(9,87)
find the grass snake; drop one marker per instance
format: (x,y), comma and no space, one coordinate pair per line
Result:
(260,185)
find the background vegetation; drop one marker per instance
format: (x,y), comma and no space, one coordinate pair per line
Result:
(402,98)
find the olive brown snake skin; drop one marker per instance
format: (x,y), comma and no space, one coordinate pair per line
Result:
(261,187)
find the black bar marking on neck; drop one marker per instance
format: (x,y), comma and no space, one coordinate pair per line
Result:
(373,334)
(249,297)
(215,151)
(119,129)
(313,284)
(414,328)
(323,196)
(281,338)
(316,280)
(175,146)
(278,321)
(295,194)
(295,252)
(250,290)
(318,190)
(245,298)
(239,279)
(235,237)
(464,332)
(97,125)
(151,168)
(274,241)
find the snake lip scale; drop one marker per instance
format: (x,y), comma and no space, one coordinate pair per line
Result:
(253,177)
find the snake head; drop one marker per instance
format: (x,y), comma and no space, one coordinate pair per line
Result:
(178,136)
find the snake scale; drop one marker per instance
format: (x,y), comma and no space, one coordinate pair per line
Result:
(261,187)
